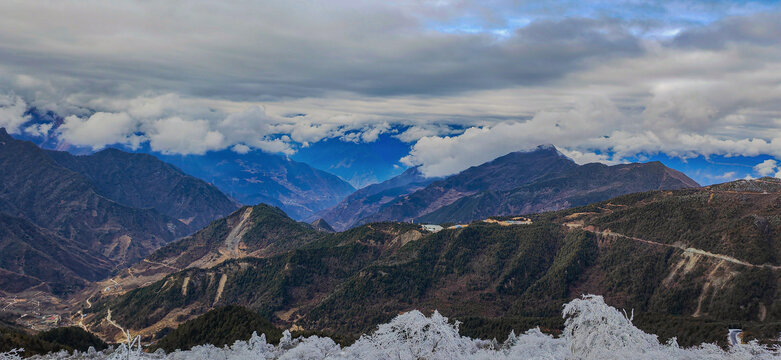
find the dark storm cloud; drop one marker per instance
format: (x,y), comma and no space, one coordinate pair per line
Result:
(269,66)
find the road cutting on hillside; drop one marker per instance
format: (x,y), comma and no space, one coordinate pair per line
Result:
(685,249)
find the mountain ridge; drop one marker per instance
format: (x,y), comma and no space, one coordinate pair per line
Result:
(137,179)
(369,199)
(62,206)
(251,178)
(494,273)
(257,177)
(475,192)
(575,187)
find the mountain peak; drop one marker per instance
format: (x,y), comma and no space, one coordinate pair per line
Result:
(259,177)
(413,170)
(267,209)
(539,149)
(110,150)
(545,151)
(552,149)
(322,225)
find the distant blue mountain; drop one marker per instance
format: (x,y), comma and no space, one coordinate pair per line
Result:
(360,164)
(367,201)
(256,177)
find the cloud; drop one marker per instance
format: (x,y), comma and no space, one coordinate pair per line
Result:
(175,135)
(763,31)
(268,51)
(12,113)
(463,82)
(729,175)
(366,134)
(766,167)
(440,156)
(173,125)
(416,132)
(39,129)
(241,149)
(682,101)
(100,129)
(587,157)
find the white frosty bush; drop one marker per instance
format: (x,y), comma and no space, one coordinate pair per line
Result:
(593,330)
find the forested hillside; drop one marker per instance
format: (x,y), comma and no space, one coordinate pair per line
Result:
(673,255)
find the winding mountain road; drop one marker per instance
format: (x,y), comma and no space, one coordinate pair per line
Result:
(681,247)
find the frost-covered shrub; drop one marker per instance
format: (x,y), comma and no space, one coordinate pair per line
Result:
(11,355)
(593,330)
(414,336)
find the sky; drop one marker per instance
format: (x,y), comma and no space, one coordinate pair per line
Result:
(367,88)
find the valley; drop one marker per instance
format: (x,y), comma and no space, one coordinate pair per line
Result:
(643,236)
(390,180)
(486,273)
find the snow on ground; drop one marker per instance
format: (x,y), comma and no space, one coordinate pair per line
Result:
(593,330)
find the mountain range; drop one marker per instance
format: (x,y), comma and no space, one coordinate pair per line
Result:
(517,183)
(693,257)
(94,213)
(251,178)
(368,200)
(258,177)
(135,235)
(121,206)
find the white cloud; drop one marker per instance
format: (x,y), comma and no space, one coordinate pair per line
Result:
(12,109)
(241,149)
(585,157)
(281,145)
(178,136)
(366,134)
(416,132)
(372,133)
(247,126)
(306,132)
(766,167)
(100,129)
(39,129)
(729,175)
(221,76)
(440,156)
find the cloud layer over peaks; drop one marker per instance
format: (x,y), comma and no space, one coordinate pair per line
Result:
(461,81)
